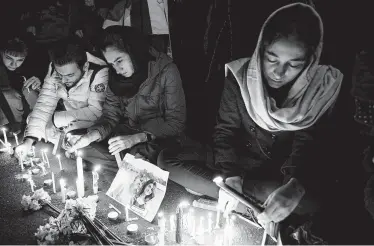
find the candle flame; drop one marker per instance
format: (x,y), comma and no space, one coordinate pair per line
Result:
(62,182)
(160,214)
(218,180)
(97,168)
(4,129)
(184,204)
(58,156)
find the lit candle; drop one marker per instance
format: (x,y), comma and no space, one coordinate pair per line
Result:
(218,217)
(53,183)
(95,179)
(201,225)
(33,151)
(16,137)
(80,180)
(172,222)
(21,162)
(80,188)
(5,136)
(43,169)
(46,158)
(179,219)
(127,212)
(162,224)
(189,220)
(63,191)
(43,157)
(32,184)
(210,222)
(59,161)
(193,223)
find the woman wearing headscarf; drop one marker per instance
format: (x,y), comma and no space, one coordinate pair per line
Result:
(273,120)
(145,108)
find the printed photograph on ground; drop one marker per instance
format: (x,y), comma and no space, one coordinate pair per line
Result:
(140,185)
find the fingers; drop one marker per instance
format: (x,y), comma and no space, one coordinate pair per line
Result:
(32,82)
(114,139)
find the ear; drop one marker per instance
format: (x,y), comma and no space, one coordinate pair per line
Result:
(85,67)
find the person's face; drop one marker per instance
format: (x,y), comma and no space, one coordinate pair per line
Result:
(12,62)
(120,61)
(149,189)
(69,74)
(283,61)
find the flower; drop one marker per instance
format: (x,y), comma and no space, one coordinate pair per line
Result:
(35,201)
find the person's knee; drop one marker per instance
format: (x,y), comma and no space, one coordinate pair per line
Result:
(167,159)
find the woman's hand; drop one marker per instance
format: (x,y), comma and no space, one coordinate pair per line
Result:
(119,143)
(281,203)
(227,203)
(32,82)
(83,141)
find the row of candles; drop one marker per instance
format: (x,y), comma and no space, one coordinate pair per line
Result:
(45,159)
(196,227)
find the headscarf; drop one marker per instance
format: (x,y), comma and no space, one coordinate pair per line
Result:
(138,49)
(314,91)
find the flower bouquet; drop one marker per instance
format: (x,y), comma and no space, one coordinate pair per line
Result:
(75,224)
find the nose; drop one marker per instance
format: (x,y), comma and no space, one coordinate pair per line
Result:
(13,65)
(279,72)
(64,80)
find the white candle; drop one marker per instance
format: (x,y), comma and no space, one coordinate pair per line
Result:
(63,191)
(79,166)
(80,180)
(80,188)
(59,161)
(127,212)
(43,157)
(21,162)
(32,184)
(95,179)
(43,169)
(33,150)
(210,222)
(5,137)
(172,222)
(218,217)
(162,224)
(16,137)
(46,158)
(53,183)
(201,225)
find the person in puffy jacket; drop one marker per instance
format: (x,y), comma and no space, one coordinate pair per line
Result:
(72,95)
(145,109)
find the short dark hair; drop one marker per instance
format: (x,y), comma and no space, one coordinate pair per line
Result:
(15,46)
(297,22)
(67,51)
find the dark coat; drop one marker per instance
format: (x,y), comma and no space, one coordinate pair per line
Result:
(241,146)
(158,108)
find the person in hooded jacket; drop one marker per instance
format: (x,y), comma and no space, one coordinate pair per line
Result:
(273,120)
(145,109)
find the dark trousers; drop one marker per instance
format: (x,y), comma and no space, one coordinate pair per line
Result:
(192,167)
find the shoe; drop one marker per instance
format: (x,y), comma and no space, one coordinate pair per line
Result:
(193,192)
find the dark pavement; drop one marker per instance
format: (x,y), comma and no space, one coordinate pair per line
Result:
(18,227)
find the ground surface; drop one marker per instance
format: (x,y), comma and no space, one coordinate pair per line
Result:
(18,227)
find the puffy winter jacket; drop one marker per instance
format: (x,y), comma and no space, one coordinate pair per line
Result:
(83,102)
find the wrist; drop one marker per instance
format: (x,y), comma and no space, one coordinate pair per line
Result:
(93,136)
(141,137)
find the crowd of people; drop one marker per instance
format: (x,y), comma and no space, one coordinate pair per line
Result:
(100,74)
